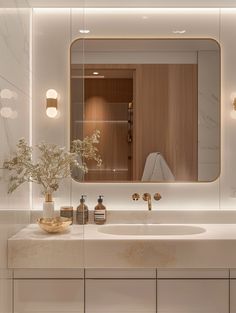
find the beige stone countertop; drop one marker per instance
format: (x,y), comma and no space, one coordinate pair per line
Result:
(85,246)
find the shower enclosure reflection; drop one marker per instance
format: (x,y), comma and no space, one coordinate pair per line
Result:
(156,103)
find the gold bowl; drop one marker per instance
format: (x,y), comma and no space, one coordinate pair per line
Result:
(55,224)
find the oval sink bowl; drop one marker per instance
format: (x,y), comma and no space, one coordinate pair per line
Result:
(150,229)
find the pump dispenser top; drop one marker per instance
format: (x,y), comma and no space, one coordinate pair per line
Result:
(100,199)
(82,213)
(82,199)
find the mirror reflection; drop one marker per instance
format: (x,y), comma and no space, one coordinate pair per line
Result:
(156,103)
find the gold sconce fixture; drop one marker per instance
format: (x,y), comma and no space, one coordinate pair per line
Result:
(233,111)
(51,103)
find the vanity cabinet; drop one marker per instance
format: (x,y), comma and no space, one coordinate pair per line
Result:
(192,296)
(125,291)
(233,291)
(186,293)
(102,296)
(48,296)
(120,291)
(120,296)
(233,296)
(33,292)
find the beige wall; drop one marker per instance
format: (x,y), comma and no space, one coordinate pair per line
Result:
(14,76)
(54,30)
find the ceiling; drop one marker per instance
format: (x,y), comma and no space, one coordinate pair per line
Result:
(117,3)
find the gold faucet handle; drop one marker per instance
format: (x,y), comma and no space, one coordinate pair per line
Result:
(146,196)
(157,196)
(135,196)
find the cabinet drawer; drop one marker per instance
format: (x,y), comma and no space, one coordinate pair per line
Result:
(120,273)
(193,296)
(233,296)
(120,296)
(48,296)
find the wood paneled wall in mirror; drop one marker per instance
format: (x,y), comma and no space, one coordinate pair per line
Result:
(156,103)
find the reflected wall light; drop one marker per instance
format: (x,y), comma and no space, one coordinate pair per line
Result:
(233,111)
(8,94)
(7,97)
(6,112)
(51,103)
(84,31)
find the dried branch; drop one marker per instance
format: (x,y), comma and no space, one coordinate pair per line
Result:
(53,165)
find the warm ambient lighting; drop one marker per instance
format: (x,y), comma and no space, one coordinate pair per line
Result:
(95,73)
(84,31)
(51,106)
(233,112)
(183,31)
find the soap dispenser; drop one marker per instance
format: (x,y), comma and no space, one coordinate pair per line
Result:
(100,212)
(82,212)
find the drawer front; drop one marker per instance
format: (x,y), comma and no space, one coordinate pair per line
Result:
(45,295)
(120,296)
(193,296)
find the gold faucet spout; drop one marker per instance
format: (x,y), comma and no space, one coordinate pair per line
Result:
(147,197)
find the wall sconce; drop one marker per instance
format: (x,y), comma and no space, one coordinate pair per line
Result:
(51,103)
(233,112)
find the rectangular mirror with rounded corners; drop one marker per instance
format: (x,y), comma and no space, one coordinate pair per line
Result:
(156,103)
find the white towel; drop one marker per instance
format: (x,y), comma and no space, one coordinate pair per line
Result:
(156,169)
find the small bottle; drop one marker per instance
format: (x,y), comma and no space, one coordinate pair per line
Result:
(82,212)
(100,212)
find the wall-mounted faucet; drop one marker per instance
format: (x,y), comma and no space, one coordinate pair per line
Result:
(147,197)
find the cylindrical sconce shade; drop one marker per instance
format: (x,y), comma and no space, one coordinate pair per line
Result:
(233,112)
(51,106)
(51,94)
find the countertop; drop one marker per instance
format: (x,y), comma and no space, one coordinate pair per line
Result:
(86,246)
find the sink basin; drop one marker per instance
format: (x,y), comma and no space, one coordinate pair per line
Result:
(150,229)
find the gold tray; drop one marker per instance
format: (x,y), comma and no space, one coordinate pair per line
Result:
(55,224)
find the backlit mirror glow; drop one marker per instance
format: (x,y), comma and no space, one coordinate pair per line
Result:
(156,103)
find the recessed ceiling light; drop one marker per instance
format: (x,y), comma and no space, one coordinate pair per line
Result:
(84,31)
(179,31)
(95,73)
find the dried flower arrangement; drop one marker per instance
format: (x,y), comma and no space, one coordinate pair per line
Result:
(54,162)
